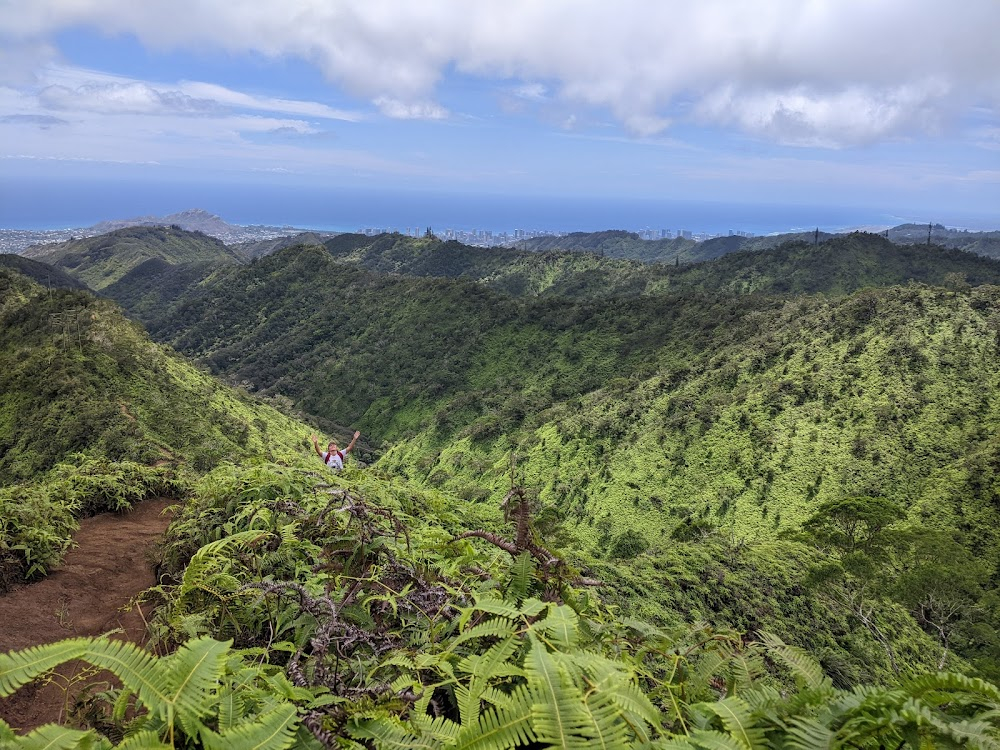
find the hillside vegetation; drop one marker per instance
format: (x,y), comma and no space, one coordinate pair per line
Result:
(838,265)
(597,521)
(95,416)
(102,260)
(721,420)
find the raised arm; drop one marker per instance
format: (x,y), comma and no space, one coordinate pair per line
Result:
(315,442)
(350,445)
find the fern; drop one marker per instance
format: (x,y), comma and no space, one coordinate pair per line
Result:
(521,573)
(562,626)
(737,719)
(274,730)
(503,727)
(55,737)
(557,712)
(802,665)
(20,667)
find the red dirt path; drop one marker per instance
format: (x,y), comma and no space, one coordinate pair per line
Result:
(83,596)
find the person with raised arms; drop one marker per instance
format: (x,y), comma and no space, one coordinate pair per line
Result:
(334,457)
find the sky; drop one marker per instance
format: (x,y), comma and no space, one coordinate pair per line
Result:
(885,110)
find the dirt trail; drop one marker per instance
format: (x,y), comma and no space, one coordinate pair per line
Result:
(83,596)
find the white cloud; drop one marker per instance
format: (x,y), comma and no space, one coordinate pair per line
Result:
(124,98)
(402,110)
(817,72)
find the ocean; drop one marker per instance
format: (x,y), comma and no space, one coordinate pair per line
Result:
(50,204)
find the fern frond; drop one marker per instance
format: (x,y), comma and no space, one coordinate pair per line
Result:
(951,682)
(194,672)
(710,739)
(138,670)
(55,737)
(201,562)
(231,708)
(440,728)
(521,573)
(389,735)
(605,729)
(273,730)
(494,605)
(809,734)
(505,727)
(143,741)
(498,627)
(493,663)
(561,625)
(557,712)
(802,665)
(20,667)
(738,721)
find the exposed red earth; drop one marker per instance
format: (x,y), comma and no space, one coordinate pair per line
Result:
(111,563)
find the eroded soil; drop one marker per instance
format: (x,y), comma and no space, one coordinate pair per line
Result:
(85,596)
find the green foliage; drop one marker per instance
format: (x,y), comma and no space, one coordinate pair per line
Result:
(204,694)
(102,260)
(38,518)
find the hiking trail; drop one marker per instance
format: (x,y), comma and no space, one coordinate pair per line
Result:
(83,596)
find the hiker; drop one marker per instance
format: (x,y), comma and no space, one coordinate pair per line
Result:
(334,457)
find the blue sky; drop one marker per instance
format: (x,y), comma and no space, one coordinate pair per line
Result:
(888,106)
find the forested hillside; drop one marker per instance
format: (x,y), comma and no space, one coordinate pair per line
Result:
(798,444)
(102,260)
(630,246)
(838,265)
(651,425)
(95,416)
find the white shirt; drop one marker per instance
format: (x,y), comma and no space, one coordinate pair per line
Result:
(335,460)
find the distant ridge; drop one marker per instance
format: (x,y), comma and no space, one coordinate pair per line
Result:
(193,220)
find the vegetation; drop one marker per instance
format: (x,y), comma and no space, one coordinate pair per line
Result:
(90,407)
(741,504)
(350,620)
(100,261)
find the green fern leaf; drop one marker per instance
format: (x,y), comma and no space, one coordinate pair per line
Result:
(7,735)
(19,667)
(138,670)
(561,625)
(557,712)
(710,739)
(802,665)
(143,741)
(521,574)
(498,627)
(738,721)
(389,735)
(605,729)
(232,708)
(194,672)
(503,727)
(493,663)
(809,734)
(55,737)
(273,730)
(440,728)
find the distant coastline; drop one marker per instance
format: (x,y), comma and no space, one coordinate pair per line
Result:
(44,206)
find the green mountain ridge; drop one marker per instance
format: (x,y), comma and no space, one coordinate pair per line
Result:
(102,260)
(822,466)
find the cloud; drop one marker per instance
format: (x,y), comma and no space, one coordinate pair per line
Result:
(824,72)
(241,100)
(124,98)
(402,110)
(41,121)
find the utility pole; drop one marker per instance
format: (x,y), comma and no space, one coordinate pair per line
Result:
(929,225)
(816,238)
